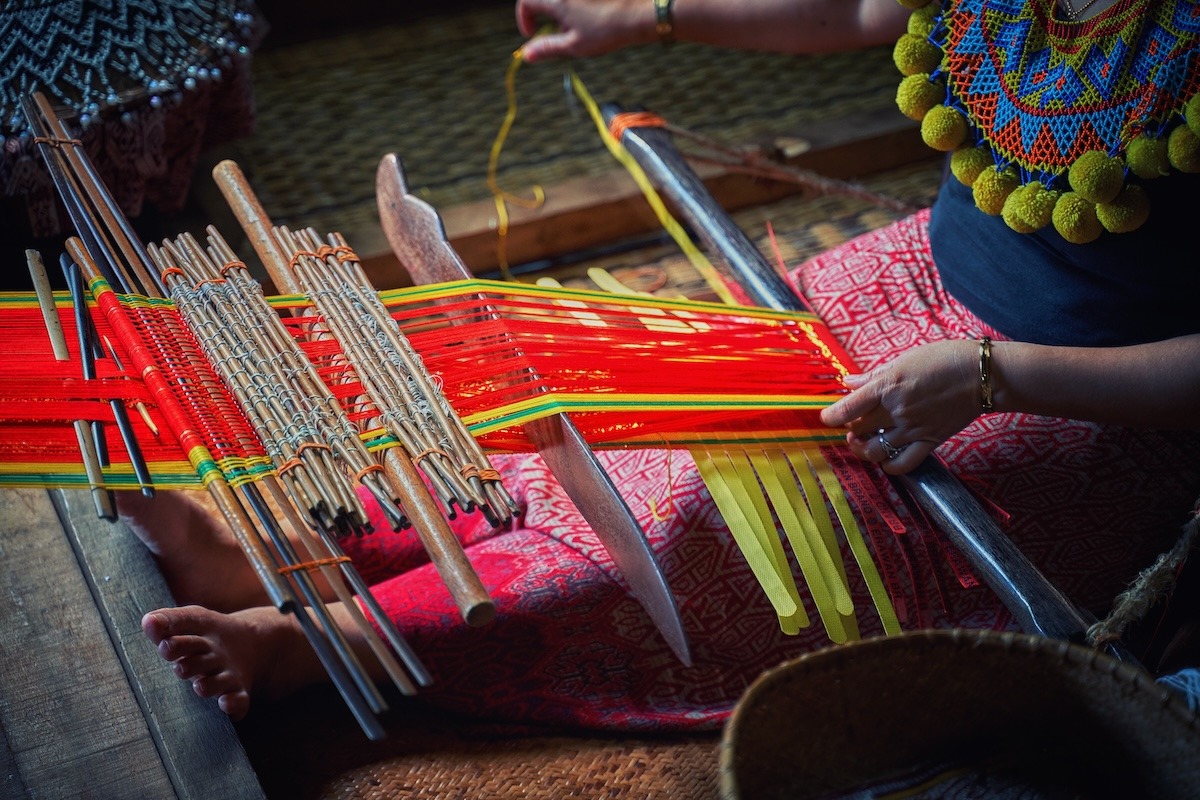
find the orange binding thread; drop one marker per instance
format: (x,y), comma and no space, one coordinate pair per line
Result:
(288,465)
(311,566)
(311,446)
(367,470)
(54,141)
(469,471)
(634,119)
(489,475)
(235,264)
(340,253)
(299,254)
(429,452)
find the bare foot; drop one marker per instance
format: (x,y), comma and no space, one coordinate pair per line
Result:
(197,554)
(258,651)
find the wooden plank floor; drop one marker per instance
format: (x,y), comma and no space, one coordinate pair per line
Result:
(87,708)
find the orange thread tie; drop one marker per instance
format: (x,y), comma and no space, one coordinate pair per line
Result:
(289,465)
(634,119)
(299,254)
(312,566)
(235,264)
(430,452)
(54,141)
(365,471)
(489,475)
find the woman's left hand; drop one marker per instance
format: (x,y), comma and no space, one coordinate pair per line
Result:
(897,413)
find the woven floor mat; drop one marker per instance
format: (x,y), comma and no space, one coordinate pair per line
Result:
(433,92)
(310,749)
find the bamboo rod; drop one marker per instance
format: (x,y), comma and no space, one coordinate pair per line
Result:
(102,499)
(445,551)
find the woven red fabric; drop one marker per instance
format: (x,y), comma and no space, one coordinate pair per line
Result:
(1091,505)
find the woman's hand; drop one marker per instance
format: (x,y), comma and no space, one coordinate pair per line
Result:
(583,28)
(897,413)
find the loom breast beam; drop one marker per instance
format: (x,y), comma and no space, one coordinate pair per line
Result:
(1037,604)
(418,238)
(445,551)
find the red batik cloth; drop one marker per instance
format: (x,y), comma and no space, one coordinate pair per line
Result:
(1091,505)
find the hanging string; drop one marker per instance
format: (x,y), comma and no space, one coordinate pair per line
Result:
(501,197)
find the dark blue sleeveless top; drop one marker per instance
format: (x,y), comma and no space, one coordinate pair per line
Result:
(1120,289)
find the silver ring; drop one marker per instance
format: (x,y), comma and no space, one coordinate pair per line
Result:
(889,449)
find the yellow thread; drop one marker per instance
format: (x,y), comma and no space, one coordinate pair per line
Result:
(796,519)
(782,598)
(697,259)
(501,197)
(670,504)
(854,537)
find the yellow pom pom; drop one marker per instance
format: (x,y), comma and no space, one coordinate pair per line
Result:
(1191,113)
(1183,149)
(1037,205)
(992,188)
(916,95)
(914,54)
(1011,213)
(944,128)
(920,22)
(1075,219)
(1147,157)
(1096,177)
(1029,207)
(1127,213)
(967,162)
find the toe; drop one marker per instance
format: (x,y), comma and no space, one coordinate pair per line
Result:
(235,704)
(177,647)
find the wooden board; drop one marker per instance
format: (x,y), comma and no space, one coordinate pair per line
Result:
(87,708)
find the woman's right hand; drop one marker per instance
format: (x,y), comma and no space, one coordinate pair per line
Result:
(583,28)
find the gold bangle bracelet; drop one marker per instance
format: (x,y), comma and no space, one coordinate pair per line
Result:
(664,21)
(985,374)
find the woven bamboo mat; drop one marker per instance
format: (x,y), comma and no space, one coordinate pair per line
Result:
(310,749)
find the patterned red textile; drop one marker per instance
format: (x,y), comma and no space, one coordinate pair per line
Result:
(1091,505)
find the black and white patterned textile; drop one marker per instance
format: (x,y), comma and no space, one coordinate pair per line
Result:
(140,80)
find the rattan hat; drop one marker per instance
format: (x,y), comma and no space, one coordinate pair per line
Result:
(959,714)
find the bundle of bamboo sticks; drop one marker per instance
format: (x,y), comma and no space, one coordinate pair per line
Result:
(316,450)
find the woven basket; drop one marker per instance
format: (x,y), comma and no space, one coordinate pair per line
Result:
(959,714)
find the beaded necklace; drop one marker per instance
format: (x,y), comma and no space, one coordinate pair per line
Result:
(1056,122)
